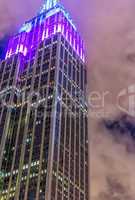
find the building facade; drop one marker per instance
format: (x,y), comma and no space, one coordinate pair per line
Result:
(43,111)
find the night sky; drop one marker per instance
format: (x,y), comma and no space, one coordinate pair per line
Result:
(3,45)
(108,28)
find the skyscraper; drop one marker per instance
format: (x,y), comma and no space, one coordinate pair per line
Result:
(43,111)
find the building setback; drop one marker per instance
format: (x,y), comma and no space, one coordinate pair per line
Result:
(43,111)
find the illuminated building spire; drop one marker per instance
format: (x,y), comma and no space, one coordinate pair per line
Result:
(52,19)
(50,4)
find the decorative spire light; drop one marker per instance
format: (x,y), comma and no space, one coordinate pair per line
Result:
(49,4)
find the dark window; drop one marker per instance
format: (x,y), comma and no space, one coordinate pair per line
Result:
(55,38)
(4,84)
(39,60)
(37,69)
(61,64)
(82,77)
(62,39)
(39,53)
(41,45)
(61,52)
(69,69)
(66,44)
(65,69)
(52,75)
(73,73)
(59,91)
(46,53)
(11,82)
(73,91)
(53,63)
(69,86)
(66,57)
(6,76)
(54,50)
(29,82)
(58,107)
(13,72)
(78,77)
(36,82)
(64,82)
(60,77)
(44,78)
(45,66)
(85,76)
(48,41)
(50,91)
(70,49)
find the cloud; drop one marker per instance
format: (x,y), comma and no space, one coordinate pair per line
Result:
(112,160)
(111,68)
(14,13)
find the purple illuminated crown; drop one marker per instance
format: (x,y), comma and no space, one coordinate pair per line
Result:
(53,18)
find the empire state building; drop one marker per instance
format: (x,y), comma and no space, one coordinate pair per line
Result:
(43,110)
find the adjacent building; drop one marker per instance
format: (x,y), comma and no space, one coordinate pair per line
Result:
(43,111)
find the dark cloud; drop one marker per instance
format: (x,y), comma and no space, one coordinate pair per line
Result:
(115,190)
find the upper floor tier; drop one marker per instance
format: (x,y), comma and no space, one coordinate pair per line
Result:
(47,23)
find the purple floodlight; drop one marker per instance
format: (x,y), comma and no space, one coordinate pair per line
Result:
(41,28)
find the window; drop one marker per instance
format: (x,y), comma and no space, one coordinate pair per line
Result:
(65,82)
(59,91)
(6,76)
(36,82)
(54,50)
(73,91)
(13,72)
(39,53)
(61,52)
(65,69)
(66,57)
(62,39)
(66,44)
(48,41)
(29,82)
(69,86)
(74,73)
(45,66)
(55,38)
(53,63)
(60,77)
(39,60)
(50,91)
(82,77)
(44,78)
(69,69)
(61,64)
(78,78)
(52,75)
(11,82)
(37,69)
(46,53)
(70,49)
(85,76)
(41,45)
